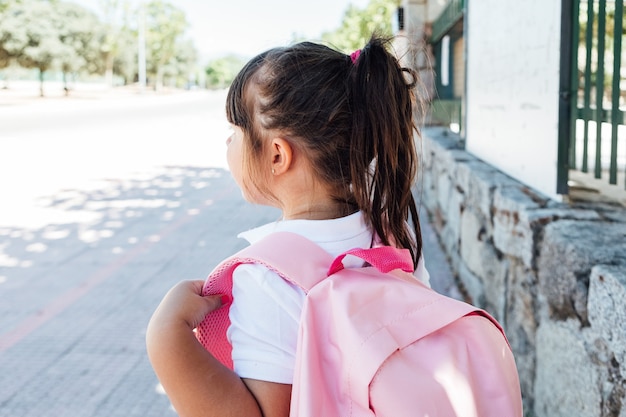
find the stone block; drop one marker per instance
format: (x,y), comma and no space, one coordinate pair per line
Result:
(484,181)
(520,323)
(424,152)
(481,258)
(443,187)
(520,237)
(615,216)
(443,160)
(450,239)
(569,250)
(512,232)
(424,192)
(606,307)
(567,381)
(473,239)
(465,171)
(472,285)
(453,213)
(495,284)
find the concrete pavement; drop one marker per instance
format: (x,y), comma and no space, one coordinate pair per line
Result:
(75,297)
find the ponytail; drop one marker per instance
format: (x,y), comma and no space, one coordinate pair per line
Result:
(383,158)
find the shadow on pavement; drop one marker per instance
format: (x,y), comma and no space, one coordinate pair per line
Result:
(76,294)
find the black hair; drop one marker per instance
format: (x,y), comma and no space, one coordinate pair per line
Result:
(355,121)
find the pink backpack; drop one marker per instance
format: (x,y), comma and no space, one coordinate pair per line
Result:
(375,341)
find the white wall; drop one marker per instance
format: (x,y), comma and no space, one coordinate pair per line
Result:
(512,87)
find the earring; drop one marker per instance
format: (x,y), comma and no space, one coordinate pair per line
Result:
(273,172)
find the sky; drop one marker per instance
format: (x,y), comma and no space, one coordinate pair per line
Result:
(248,27)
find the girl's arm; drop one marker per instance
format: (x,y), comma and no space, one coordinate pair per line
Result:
(196,383)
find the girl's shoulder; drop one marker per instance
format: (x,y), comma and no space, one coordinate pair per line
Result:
(333,235)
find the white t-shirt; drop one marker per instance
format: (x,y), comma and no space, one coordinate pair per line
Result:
(265,313)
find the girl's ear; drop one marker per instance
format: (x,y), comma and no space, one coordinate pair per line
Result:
(282,155)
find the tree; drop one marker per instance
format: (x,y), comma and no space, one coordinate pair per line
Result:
(30,36)
(119,41)
(4,58)
(221,72)
(80,33)
(165,24)
(182,64)
(12,36)
(5,4)
(125,57)
(359,24)
(42,34)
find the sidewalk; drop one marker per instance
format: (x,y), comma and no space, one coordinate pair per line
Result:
(75,298)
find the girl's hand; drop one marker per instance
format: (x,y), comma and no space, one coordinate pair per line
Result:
(196,382)
(185,303)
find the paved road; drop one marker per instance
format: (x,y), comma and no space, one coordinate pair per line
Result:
(105,205)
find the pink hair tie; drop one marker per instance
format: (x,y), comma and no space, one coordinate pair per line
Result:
(355,55)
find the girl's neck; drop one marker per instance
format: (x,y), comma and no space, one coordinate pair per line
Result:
(320,211)
(301,195)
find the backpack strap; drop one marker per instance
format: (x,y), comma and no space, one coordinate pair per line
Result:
(295,259)
(285,253)
(291,256)
(383,258)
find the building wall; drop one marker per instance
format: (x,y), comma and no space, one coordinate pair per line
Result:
(512,87)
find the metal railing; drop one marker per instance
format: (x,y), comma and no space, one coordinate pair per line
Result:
(597,132)
(450,15)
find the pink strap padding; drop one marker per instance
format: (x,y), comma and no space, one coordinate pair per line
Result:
(383,258)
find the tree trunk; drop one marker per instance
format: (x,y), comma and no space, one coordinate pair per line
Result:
(66,89)
(41,73)
(108,73)
(158,85)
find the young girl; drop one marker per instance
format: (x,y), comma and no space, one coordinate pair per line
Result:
(328,139)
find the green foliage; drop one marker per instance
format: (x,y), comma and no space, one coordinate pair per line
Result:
(61,35)
(181,66)
(165,25)
(359,24)
(81,33)
(42,35)
(221,72)
(118,46)
(29,35)
(5,4)
(122,61)
(4,58)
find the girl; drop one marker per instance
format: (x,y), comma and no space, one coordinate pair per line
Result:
(328,139)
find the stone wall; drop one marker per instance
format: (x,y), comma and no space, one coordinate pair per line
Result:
(554,275)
